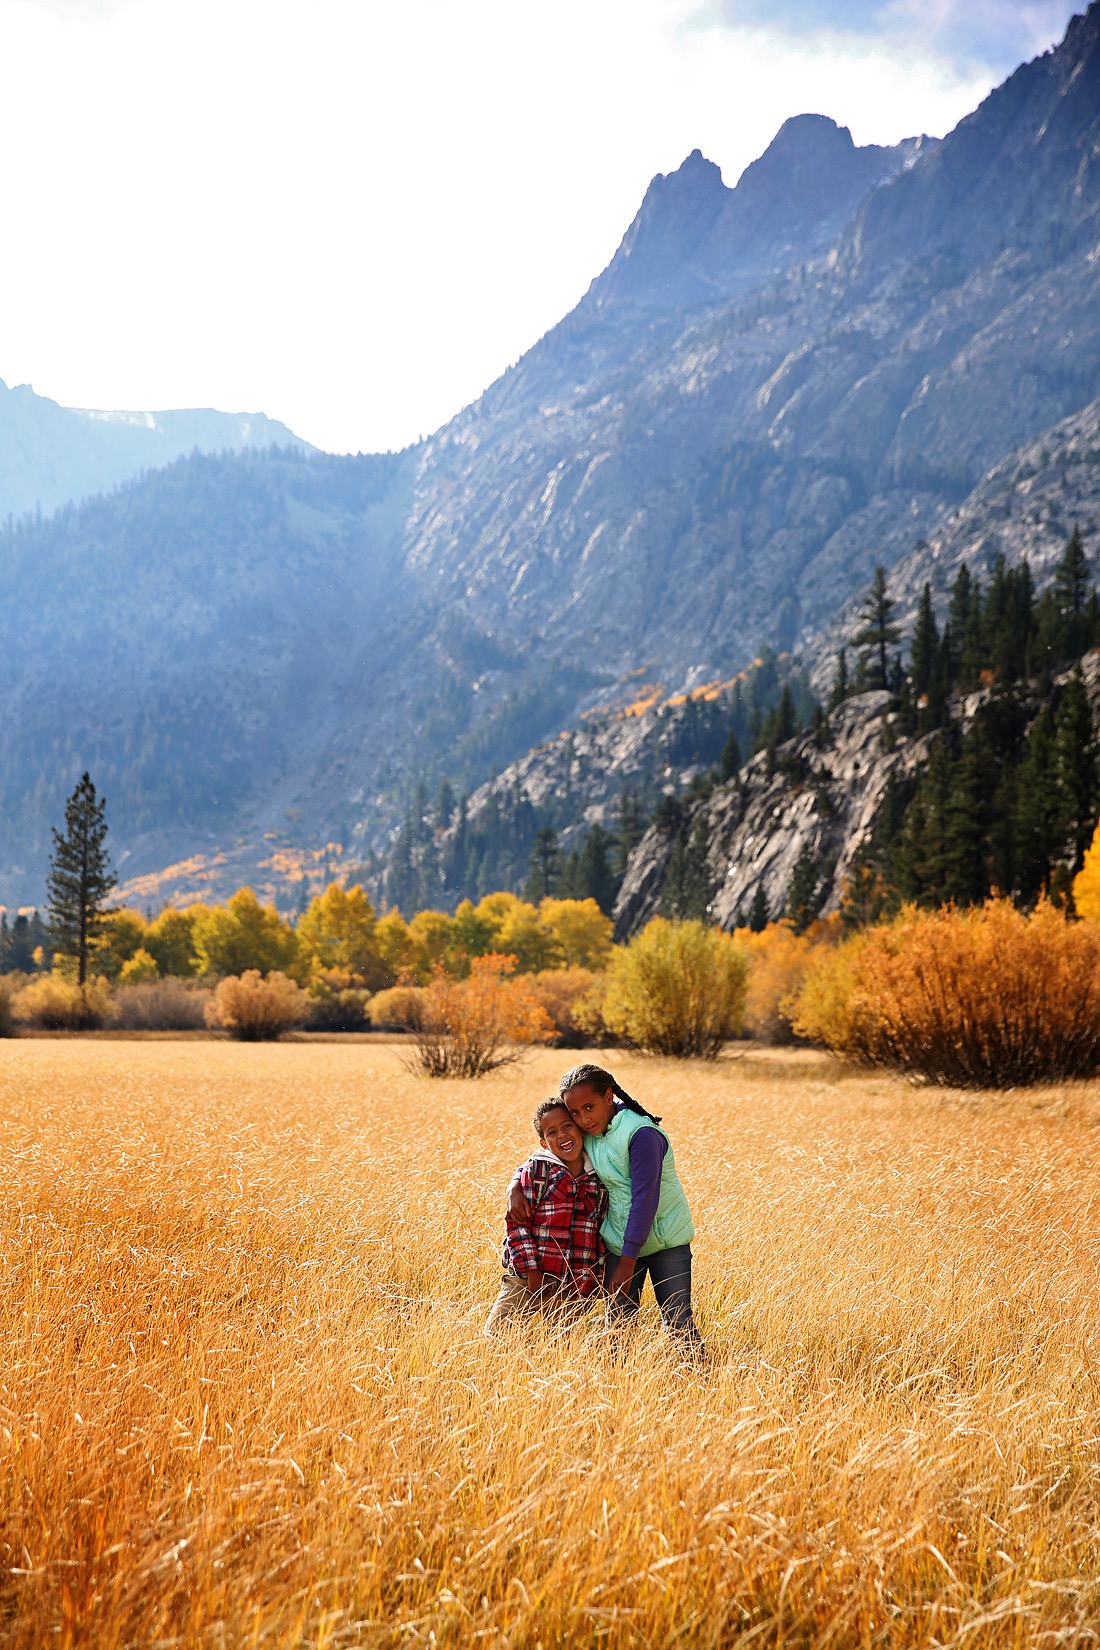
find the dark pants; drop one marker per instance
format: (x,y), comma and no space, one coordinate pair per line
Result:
(670,1273)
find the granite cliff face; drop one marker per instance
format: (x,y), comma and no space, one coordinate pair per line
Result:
(1027,506)
(771,389)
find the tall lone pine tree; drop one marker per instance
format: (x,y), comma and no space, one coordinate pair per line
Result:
(80,880)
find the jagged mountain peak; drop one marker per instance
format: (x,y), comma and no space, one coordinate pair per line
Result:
(1026,158)
(695,241)
(805,135)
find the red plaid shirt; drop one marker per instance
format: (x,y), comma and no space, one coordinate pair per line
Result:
(562,1237)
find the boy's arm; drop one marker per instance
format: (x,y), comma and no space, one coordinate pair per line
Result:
(647,1158)
(519,1201)
(521,1242)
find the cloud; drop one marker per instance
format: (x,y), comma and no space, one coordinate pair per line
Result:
(84,11)
(967,34)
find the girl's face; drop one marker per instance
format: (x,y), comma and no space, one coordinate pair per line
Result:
(590,1108)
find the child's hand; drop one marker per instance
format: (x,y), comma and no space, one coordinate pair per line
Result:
(519,1209)
(533,1281)
(622,1276)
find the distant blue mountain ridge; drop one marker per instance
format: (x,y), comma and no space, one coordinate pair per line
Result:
(52,455)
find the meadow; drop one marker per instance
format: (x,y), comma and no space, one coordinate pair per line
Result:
(245,1398)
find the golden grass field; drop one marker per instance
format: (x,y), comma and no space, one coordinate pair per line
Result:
(245,1397)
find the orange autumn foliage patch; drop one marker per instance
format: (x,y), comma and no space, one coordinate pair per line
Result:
(778,961)
(469,1026)
(983,998)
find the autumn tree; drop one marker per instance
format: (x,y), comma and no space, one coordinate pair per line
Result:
(170,941)
(80,879)
(580,930)
(244,935)
(337,932)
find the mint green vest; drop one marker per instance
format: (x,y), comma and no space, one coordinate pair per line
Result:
(610,1155)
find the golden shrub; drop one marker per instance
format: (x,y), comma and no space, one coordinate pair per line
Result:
(678,988)
(566,995)
(255,1009)
(57,1004)
(469,1026)
(986,997)
(336,1007)
(161,1005)
(831,1007)
(778,959)
(400,1008)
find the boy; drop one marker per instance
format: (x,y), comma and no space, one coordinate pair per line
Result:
(553,1259)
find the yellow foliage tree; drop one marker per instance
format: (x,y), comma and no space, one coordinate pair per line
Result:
(495,909)
(431,934)
(1086,884)
(139,969)
(524,936)
(170,941)
(337,932)
(472,935)
(581,931)
(244,935)
(395,946)
(123,933)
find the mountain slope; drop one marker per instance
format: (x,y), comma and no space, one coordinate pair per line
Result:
(753,406)
(52,455)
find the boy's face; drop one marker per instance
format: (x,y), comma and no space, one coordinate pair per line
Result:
(561,1136)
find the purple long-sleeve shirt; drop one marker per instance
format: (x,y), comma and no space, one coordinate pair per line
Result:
(647,1157)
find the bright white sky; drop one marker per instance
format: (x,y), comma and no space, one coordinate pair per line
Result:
(352,215)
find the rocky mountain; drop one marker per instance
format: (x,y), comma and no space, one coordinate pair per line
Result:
(823,800)
(52,455)
(1026,506)
(770,390)
(662,745)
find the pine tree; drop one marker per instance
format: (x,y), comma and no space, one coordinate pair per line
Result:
(630,824)
(80,879)
(729,763)
(958,612)
(926,641)
(804,894)
(877,629)
(545,866)
(1071,592)
(1075,768)
(965,875)
(1036,825)
(840,681)
(591,876)
(758,915)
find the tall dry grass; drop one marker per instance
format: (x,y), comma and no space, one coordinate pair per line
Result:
(246,1399)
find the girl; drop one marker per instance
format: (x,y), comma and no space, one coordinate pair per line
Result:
(648,1227)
